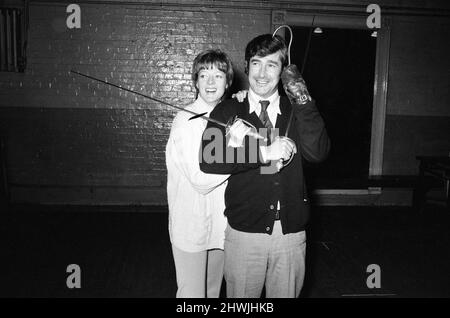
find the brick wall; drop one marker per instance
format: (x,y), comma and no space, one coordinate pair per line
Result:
(71,140)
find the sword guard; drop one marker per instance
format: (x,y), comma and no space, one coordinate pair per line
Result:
(253,133)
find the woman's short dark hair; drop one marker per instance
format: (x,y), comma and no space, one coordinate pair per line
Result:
(209,58)
(264,45)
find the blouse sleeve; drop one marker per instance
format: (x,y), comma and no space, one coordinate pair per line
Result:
(185,142)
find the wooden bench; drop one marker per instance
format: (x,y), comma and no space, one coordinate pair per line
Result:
(419,184)
(437,167)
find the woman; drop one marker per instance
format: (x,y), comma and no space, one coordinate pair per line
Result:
(196,199)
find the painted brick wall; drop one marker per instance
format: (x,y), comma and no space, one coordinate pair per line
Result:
(71,140)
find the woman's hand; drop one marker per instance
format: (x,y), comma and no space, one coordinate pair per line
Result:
(240,96)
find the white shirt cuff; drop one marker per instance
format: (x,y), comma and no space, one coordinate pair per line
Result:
(263,150)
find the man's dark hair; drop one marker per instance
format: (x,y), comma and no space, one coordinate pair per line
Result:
(264,45)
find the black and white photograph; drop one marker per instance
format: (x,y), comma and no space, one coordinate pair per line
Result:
(232,152)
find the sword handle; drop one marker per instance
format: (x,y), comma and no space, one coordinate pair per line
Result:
(283,163)
(256,135)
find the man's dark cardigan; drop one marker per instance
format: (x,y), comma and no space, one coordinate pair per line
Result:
(251,197)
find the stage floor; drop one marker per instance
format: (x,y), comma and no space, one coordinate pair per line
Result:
(125,252)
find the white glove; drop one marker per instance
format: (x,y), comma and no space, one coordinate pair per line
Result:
(237,133)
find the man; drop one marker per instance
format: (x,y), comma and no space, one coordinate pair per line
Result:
(267,213)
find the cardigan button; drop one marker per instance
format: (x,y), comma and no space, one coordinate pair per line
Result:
(268,228)
(272,206)
(305,200)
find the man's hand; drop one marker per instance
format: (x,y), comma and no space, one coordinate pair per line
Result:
(240,96)
(294,85)
(281,148)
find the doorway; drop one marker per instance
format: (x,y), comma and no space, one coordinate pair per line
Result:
(339,70)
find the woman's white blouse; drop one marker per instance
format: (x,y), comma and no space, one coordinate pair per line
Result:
(196,199)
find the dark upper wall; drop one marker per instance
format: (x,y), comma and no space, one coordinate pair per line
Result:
(419,67)
(70,140)
(418,105)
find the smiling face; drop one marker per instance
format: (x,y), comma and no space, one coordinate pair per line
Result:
(211,85)
(264,74)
